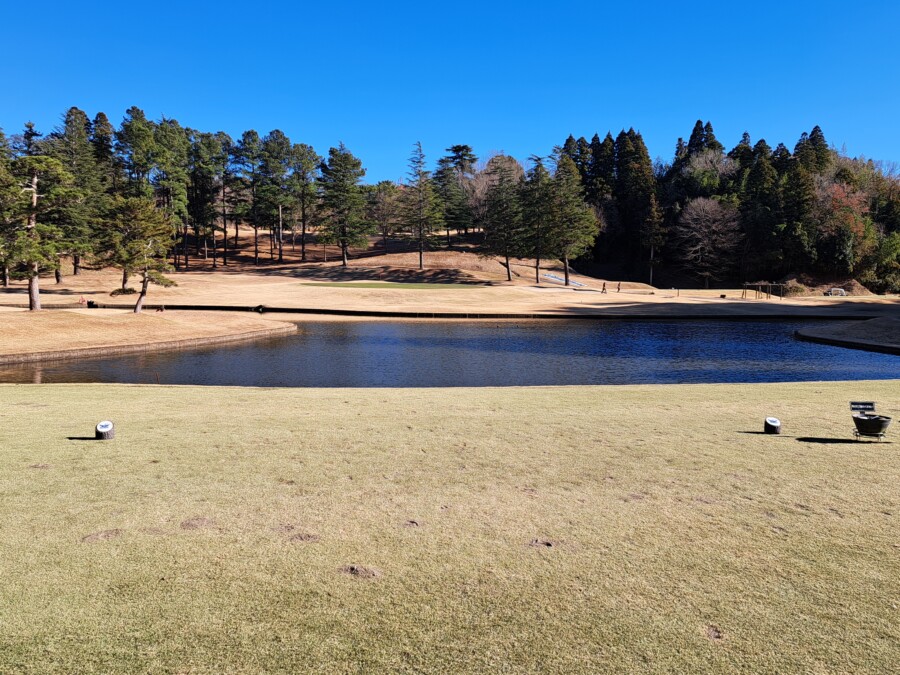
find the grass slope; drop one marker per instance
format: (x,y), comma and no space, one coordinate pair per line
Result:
(217,532)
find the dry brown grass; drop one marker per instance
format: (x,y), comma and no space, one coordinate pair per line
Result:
(51,331)
(580,529)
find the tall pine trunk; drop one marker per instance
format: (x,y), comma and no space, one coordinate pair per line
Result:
(344,253)
(255,244)
(184,249)
(421,255)
(124,278)
(566,267)
(57,274)
(508,267)
(34,288)
(76,265)
(145,282)
(34,284)
(5,276)
(280,236)
(224,232)
(302,233)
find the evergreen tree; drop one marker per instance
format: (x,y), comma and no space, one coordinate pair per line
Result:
(638,207)
(697,141)
(276,158)
(710,142)
(420,206)
(601,172)
(504,234)
(71,145)
(343,201)
(799,225)
(572,224)
(760,213)
(10,193)
(823,154)
(170,177)
(136,149)
(537,202)
(454,173)
(44,188)
(304,172)
(204,173)
(247,160)
(137,240)
(103,143)
(384,209)
(805,153)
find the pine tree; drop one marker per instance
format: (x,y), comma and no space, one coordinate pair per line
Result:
(71,145)
(136,149)
(601,172)
(710,142)
(454,173)
(504,234)
(638,207)
(276,158)
(247,160)
(137,240)
(697,141)
(819,145)
(572,224)
(343,201)
(44,188)
(537,200)
(304,172)
(805,153)
(103,142)
(171,176)
(10,194)
(384,209)
(420,206)
(204,172)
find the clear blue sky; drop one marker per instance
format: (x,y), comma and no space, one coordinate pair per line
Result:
(511,76)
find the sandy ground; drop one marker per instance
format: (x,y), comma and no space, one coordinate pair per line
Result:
(53,331)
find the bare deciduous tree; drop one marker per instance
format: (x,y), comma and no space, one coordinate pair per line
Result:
(706,237)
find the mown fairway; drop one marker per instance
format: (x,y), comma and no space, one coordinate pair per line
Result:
(582,529)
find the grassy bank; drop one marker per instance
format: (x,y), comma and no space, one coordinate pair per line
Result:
(582,529)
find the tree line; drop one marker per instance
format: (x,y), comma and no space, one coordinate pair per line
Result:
(148,196)
(747,214)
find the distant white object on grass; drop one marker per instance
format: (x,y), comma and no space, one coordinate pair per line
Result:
(556,278)
(836,291)
(104,431)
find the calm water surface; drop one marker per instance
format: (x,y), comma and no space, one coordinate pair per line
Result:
(450,354)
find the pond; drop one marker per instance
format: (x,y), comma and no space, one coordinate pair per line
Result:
(485,353)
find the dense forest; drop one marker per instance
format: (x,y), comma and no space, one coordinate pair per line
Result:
(149,195)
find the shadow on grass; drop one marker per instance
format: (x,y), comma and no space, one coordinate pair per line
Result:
(834,441)
(81,438)
(763,433)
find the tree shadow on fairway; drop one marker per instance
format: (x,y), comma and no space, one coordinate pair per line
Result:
(835,441)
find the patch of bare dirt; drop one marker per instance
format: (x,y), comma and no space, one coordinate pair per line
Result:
(305,538)
(361,572)
(103,535)
(38,466)
(713,632)
(543,543)
(197,523)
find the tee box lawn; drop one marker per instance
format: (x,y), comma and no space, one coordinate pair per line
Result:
(574,529)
